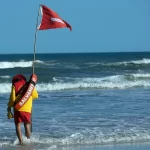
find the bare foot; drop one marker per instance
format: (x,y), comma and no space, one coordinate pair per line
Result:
(20,143)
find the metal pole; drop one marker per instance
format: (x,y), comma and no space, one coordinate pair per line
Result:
(35,39)
(34,52)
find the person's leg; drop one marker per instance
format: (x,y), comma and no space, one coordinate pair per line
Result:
(18,132)
(27,130)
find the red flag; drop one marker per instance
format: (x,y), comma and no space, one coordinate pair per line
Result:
(51,20)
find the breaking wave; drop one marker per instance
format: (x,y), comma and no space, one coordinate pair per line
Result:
(24,64)
(21,64)
(88,137)
(110,82)
(5,77)
(136,63)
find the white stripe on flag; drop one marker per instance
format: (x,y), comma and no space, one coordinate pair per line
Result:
(57,20)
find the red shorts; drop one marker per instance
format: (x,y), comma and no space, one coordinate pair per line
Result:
(20,116)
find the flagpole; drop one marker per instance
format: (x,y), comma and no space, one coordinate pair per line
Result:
(35,39)
(35,51)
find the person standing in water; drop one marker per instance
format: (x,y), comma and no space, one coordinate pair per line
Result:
(23,114)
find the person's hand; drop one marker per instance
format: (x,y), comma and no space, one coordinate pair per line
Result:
(10,115)
(9,109)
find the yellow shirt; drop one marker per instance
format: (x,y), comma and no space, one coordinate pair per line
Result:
(27,107)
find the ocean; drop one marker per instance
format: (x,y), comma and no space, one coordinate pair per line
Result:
(85,99)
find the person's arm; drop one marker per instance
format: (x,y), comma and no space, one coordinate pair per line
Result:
(12,97)
(34,94)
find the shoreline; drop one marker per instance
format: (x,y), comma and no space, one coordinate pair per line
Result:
(127,146)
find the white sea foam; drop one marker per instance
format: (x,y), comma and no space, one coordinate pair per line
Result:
(92,137)
(5,87)
(136,62)
(5,143)
(147,75)
(22,64)
(81,138)
(143,61)
(110,82)
(4,65)
(6,77)
(39,61)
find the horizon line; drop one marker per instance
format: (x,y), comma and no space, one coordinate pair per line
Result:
(74,52)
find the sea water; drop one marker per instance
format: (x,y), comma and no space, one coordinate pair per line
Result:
(84,99)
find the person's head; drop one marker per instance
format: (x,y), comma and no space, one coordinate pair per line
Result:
(19,78)
(18,81)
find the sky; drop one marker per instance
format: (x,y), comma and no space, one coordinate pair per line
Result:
(98,26)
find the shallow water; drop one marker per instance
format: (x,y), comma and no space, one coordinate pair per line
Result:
(84,99)
(84,117)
